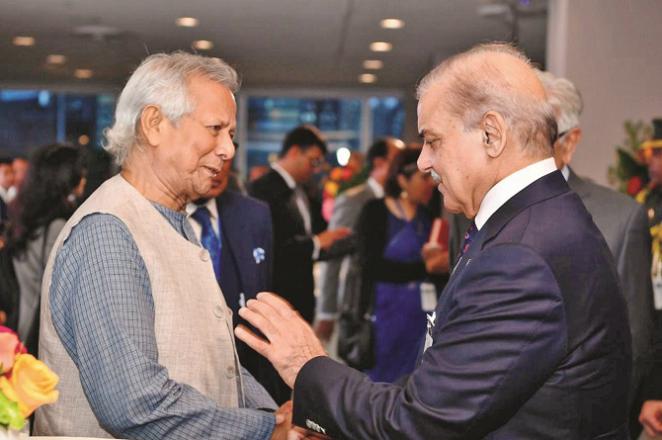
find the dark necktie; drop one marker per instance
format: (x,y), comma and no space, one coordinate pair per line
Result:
(468,238)
(209,239)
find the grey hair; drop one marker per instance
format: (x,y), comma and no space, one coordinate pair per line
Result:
(161,79)
(473,92)
(564,97)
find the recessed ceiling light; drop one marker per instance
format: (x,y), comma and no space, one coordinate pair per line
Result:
(24,40)
(56,59)
(373,64)
(83,73)
(367,78)
(186,22)
(381,46)
(392,23)
(202,44)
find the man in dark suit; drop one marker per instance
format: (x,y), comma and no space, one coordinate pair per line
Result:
(530,338)
(624,225)
(298,238)
(243,259)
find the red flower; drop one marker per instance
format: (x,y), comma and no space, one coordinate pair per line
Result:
(10,346)
(634,185)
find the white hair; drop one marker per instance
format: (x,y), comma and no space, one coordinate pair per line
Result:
(161,80)
(473,92)
(564,97)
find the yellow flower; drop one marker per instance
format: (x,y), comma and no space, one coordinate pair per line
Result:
(32,384)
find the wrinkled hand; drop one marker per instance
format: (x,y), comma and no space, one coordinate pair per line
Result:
(324,329)
(436,259)
(283,421)
(290,342)
(651,417)
(330,236)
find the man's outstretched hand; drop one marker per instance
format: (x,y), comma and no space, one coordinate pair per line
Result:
(290,342)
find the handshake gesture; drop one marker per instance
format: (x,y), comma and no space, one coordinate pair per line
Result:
(290,343)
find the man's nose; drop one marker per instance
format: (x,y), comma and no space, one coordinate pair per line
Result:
(225,147)
(423,162)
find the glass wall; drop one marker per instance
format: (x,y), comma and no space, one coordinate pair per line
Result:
(30,118)
(352,122)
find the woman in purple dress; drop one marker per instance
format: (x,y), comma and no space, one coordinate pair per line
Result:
(392,233)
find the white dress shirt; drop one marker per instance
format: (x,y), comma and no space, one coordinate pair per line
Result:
(375,187)
(507,187)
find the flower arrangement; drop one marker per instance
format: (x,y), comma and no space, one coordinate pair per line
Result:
(630,174)
(25,382)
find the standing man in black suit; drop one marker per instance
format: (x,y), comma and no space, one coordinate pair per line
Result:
(530,337)
(297,240)
(236,230)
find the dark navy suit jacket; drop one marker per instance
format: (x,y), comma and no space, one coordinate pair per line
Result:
(531,341)
(246,267)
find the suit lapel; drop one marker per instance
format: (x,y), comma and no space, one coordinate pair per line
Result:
(236,243)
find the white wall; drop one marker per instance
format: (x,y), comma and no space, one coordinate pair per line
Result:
(612,51)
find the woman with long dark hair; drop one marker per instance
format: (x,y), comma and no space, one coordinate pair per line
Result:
(50,194)
(392,233)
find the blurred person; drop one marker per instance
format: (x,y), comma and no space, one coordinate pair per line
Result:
(391,233)
(133,320)
(650,415)
(298,236)
(256,172)
(236,230)
(48,197)
(622,222)
(530,338)
(20,166)
(7,179)
(338,273)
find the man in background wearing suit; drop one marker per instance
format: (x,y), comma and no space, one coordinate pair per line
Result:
(336,272)
(236,230)
(530,338)
(624,225)
(297,240)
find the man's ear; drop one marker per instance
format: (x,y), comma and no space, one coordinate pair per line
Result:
(569,143)
(494,133)
(151,129)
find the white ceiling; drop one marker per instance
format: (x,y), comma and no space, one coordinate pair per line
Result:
(273,43)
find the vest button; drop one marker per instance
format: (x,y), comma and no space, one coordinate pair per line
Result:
(204,255)
(218,311)
(229,372)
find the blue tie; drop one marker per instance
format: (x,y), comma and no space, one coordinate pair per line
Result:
(209,239)
(468,238)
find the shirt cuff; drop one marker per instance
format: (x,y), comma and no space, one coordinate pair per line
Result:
(316,247)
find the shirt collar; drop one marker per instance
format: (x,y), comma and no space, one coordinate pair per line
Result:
(505,189)
(210,204)
(285,175)
(566,172)
(376,187)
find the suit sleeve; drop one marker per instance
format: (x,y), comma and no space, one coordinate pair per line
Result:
(502,335)
(634,262)
(327,303)
(372,231)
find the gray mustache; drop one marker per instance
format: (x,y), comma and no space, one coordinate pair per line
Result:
(436,177)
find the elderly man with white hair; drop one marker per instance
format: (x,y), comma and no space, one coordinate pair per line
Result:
(624,225)
(529,339)
(132,319)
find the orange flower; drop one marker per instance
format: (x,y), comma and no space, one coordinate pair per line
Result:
(32,384)
(10,346)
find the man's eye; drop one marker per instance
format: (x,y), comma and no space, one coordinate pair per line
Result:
(215,129)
